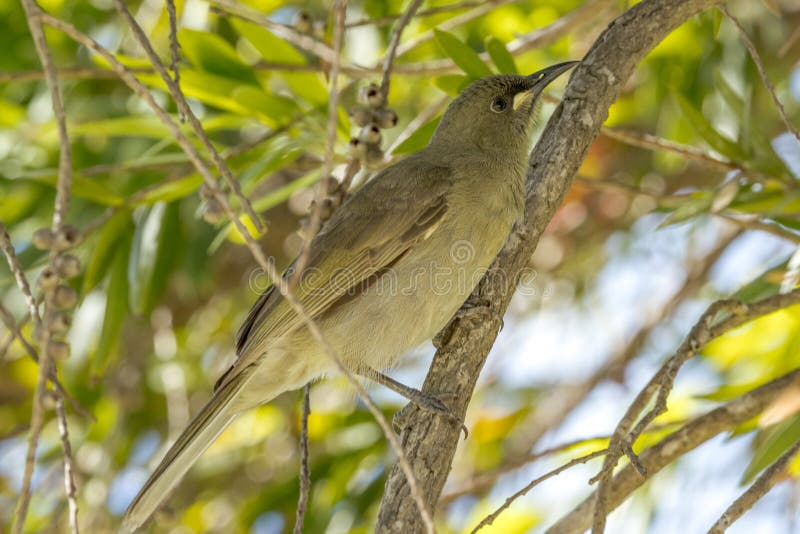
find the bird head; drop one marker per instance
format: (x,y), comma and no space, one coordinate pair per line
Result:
(496,113)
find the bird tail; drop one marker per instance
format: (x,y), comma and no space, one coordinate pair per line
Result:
(215,417)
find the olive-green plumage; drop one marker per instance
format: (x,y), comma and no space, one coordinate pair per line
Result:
(388,270)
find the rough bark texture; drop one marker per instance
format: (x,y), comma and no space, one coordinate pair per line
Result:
(430,442)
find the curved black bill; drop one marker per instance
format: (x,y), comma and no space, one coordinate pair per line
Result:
(541,79)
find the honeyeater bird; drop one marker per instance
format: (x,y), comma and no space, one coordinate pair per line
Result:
(386,272)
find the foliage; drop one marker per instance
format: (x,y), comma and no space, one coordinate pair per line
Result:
(162,292)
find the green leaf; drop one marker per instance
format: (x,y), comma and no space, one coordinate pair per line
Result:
(419,139)
(116,308)
(211,53)
(118,226)
(501,57)
(717,141)
(698,203)
(85,188)
(155,247)
(170,190)
(463,56)
(271,109)
(271,47)
(731,97)
(778,440)
(452,84)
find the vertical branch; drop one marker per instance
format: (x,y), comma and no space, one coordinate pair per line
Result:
(69,470)
(391,52)
(174,47)
(63,188)
(305,472)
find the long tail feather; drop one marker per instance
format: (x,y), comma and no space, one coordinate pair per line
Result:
(215,417)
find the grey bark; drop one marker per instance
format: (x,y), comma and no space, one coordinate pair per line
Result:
(430,442)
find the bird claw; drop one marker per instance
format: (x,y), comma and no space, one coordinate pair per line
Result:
(429,403)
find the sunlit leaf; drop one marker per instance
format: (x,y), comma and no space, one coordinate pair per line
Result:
(116,307)
(452,84)
(501,57)
(171,190)
(463,56)
(703,127)
(112,233)
(155,246)
(778,439)
(211,53)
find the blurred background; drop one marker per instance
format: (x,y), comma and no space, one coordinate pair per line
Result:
(689,195)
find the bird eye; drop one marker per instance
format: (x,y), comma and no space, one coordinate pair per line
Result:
(499,105)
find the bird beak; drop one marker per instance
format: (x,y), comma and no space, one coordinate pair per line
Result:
(539,80)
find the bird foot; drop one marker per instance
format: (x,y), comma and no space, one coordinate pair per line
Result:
(429,403)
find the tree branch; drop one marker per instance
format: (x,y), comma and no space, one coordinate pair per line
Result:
(693,434)
(430,442)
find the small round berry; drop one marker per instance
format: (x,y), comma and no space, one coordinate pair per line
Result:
(66,238)
(58,350)
(360,116)
(48,280)
(386,118)
(213,212)
(43,238)
(64,297)
(67,266)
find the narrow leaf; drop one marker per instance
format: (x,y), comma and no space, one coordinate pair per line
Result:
(116,308)
(717,141)
(463,56)
(117,227)
(419,139)
(501,57)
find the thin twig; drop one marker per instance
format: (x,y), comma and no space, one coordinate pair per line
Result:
(653,142)
(69,462)
(389,19)
(174,48)
(751,48)
(691,435)
(707,328)
(19,274)
(489,519)
(287,33)
(758,489)
(419,120)
(315,221)
(268,267)
(394,42)
(305,473)
(184,108)
(60,210)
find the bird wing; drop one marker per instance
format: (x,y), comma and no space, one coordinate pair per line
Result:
(377,225)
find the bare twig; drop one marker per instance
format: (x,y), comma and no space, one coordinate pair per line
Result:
(174,47)
(758,489)
(305,474)
(19,274)
(389,19)
(287,33)
(394,42)
(688,437)
(653,142)
(184,108)
(753,222)
(339,14)
(707,328)
(488,520)
(63,188)
(69,462)
(751,49)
